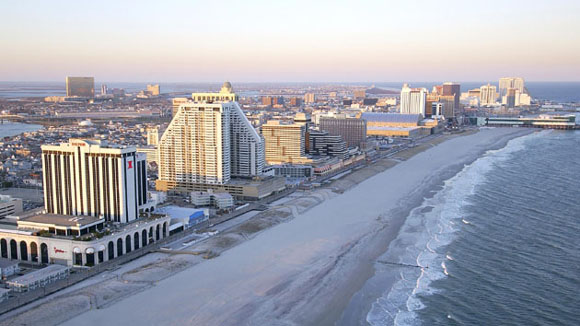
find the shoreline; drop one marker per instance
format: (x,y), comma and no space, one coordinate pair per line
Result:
(360,303)
(363,248)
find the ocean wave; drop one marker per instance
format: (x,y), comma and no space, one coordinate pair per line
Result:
(425,235)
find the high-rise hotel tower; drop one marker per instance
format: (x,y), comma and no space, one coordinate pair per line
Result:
(93,178)
(209,141)
(413,100)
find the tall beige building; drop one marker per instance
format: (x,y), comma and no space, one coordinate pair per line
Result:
(285,143)
(195,148)
(309,98)
(208,143)
(154,90)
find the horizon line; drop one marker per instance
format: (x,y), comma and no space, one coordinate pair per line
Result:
(290,82)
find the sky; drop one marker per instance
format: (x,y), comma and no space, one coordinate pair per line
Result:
(294,41)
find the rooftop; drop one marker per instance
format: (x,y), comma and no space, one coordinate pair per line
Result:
(393,128)
(391,117)
(62,220)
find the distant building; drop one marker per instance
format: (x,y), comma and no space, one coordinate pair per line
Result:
(370,101)
(93,178)
(437,109)
(352,130)
(153,136)
(295,101)
(272,100)
(413,100)
(104,89)
(153,90)
(302,118)
(523,99)
(506,83)
(488,95)
(285,143)
(392,124)
(360,94)
(309,98)
(151,152)
(80,86)
(509,99)
(476,92)
(321,143)
(452,89)
(448,105)
(118,92)
(176,103)
(226,94)
(542,121)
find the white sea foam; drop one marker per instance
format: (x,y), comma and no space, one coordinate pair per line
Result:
(424,235)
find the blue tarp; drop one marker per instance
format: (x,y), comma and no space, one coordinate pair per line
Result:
(196,217)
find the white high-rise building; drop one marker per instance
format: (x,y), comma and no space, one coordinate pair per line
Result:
(487,95)
(413,100)
(506,83)
(93,178)
(208,143)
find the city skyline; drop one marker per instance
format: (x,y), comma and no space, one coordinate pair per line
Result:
(282,42)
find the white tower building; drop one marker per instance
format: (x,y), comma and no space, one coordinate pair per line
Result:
(92,178)
(413,100)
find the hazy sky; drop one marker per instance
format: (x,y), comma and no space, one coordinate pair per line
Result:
(199,41)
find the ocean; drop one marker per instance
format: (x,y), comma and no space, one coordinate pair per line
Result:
(497,245)
(564,92)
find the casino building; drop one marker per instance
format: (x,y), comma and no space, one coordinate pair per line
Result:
(96,208)
(93,178)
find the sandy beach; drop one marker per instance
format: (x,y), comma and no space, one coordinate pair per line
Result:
(300,271)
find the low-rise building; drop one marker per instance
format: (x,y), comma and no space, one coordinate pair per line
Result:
(542,121)
(77,240)
(292,170)
(220,200)
(8,268)
(9,206)
(39,278)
